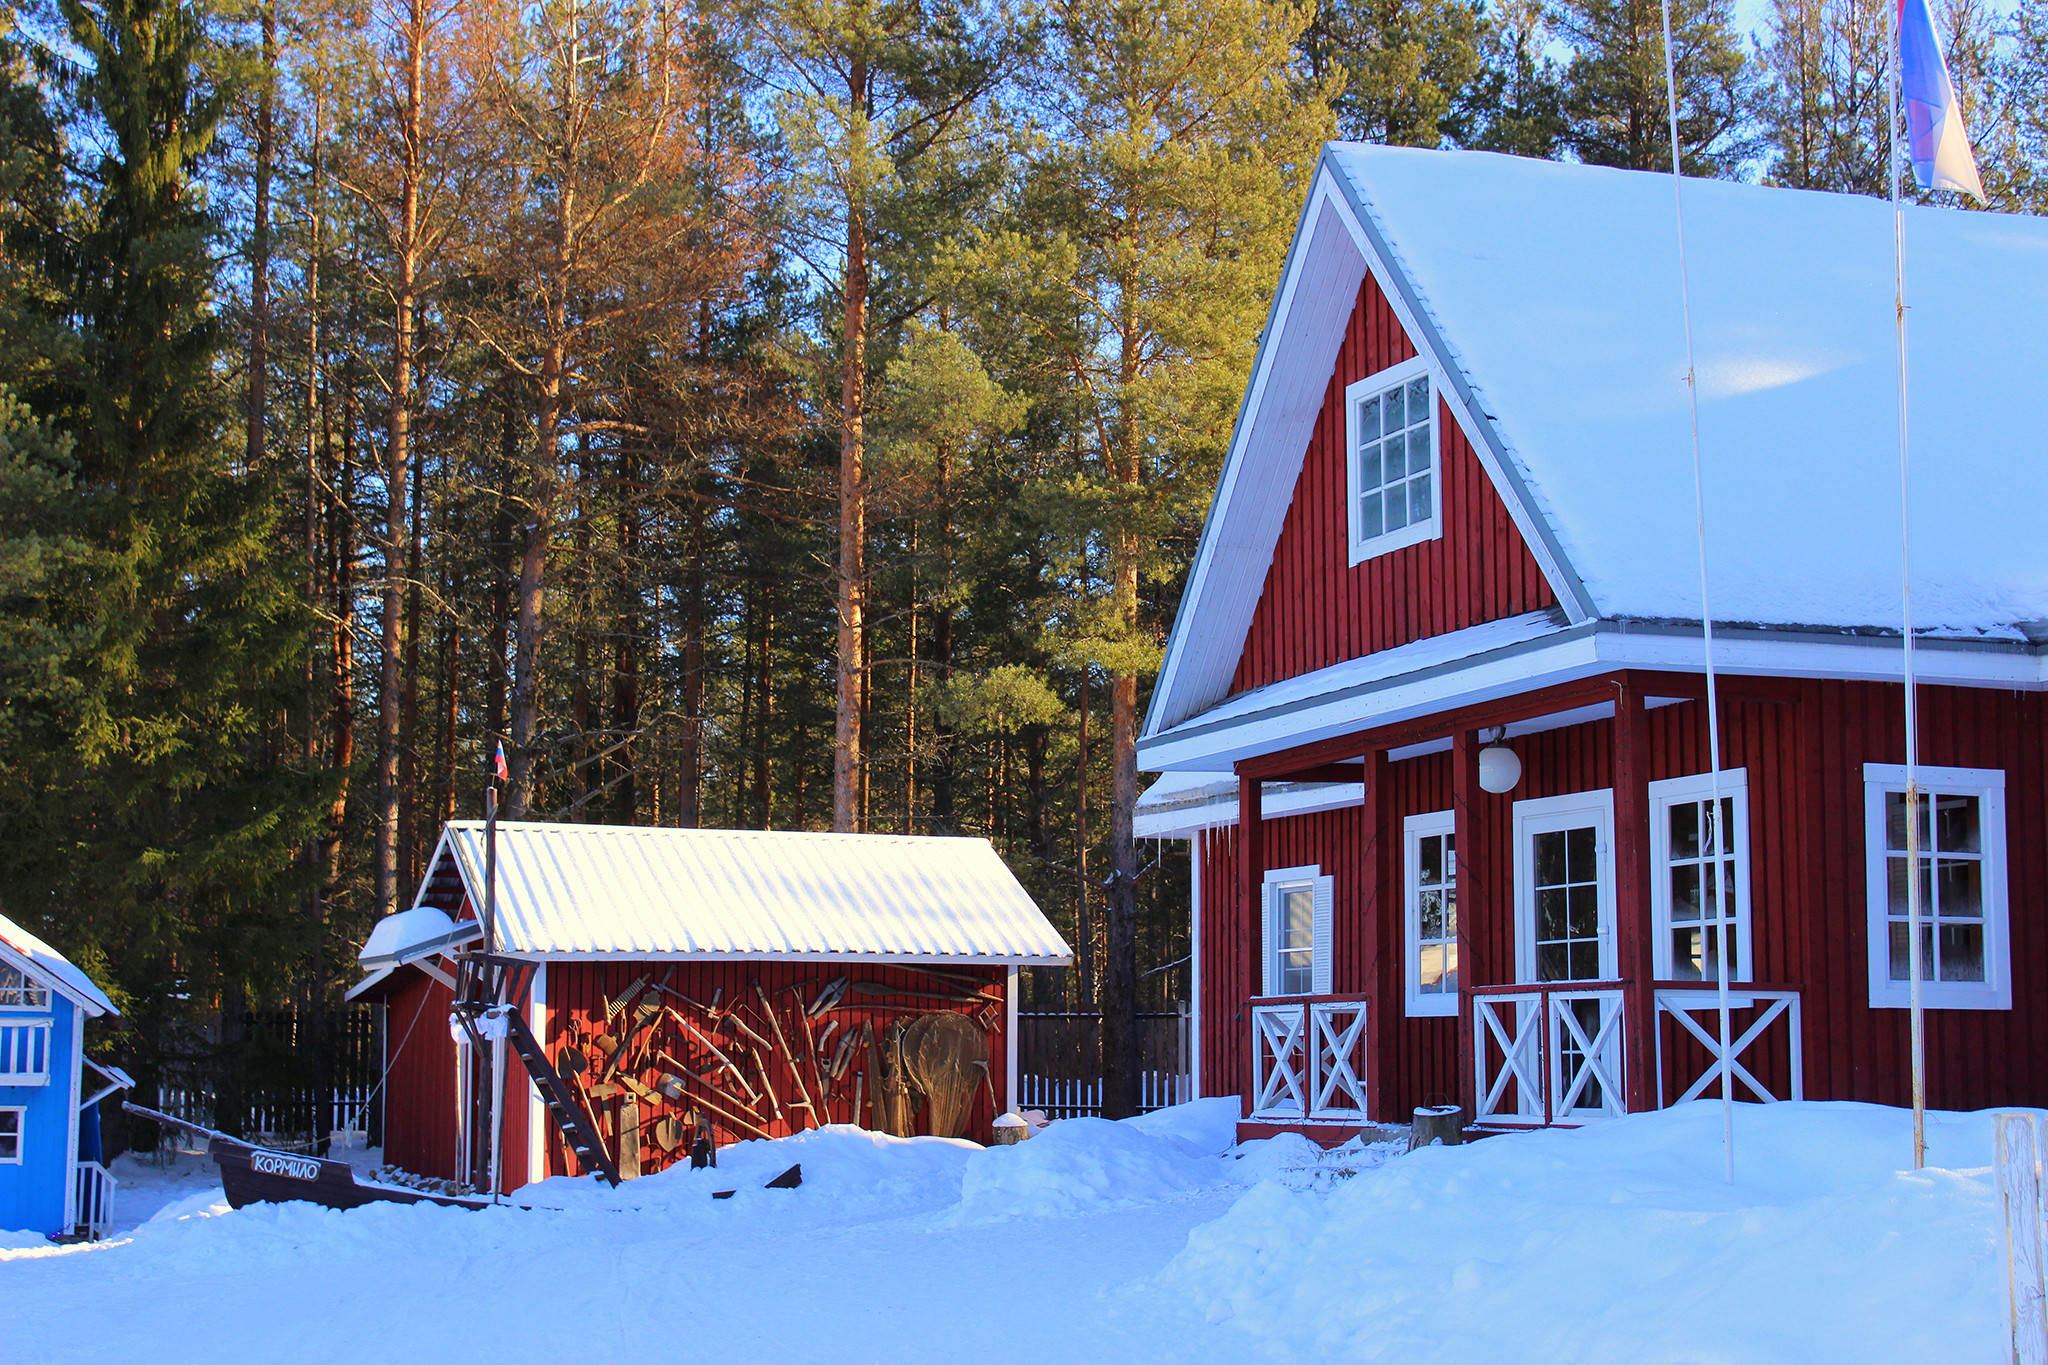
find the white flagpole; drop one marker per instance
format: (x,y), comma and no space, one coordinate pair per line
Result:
(1914,966)
(1714,834)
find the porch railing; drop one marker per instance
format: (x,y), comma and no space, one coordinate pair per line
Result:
(1693,1008)
(96,1187)
(1308,1059)
(1548,1053)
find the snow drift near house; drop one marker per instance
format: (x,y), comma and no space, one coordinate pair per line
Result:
(1621,1242)
(1095,1241)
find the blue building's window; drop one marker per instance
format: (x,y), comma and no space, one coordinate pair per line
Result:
(18,992)
(10,1136)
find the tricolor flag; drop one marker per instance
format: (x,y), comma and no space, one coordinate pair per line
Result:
(504,772)
(1934,117)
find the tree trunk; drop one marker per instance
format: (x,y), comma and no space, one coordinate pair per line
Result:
(689,807)
(259,247)
(764,712)
(397,460)
(626,654)
(852,577)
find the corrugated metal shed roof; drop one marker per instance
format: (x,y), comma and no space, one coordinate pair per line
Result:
(594,890)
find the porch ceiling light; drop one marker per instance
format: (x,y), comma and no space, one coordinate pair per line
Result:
(1500,767)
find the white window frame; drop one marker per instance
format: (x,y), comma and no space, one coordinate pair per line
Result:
(20,1113)
(1322,887)
(30,994)
(1678,791)
(1414,829)
(1544,814)
(1414,533)
(1994,992)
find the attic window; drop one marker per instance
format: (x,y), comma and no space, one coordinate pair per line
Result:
(17,992)
(1393,479)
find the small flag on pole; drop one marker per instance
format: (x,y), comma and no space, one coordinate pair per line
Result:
(504,772)
(1934,117)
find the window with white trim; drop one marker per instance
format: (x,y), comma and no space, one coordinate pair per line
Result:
(1297,937)
(1429,863)
(18,992)
(11,1120)
(1392,471)
(1693,913)
(1965,960)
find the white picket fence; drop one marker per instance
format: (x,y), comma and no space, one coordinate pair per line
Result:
(2019,1153)
(1062,1099)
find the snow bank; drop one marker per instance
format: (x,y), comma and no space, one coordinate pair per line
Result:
(1082,1165)
(1206,1125)
(847,1172)
(1622,1242)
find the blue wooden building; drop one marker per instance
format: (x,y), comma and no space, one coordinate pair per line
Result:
(52,1179)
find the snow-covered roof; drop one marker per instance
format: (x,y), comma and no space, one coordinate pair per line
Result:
(26,953)
(597,890)
(1548,296)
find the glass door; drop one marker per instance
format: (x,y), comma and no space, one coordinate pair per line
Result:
(1564,922)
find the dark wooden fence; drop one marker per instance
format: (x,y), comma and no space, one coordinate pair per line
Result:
(279,1078)
(1059,1066)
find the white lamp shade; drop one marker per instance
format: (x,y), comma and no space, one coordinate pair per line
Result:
(1500,768)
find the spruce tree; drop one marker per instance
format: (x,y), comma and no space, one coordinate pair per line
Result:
(158,845)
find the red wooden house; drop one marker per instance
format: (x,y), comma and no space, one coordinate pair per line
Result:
(1433,711)
(725,970)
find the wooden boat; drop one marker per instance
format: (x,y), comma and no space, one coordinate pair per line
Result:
(250,1174)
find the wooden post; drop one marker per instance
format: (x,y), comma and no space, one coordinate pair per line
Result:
(1632,929)
(2019,1194)
(1380,921)
(1252,874)
(1465,797)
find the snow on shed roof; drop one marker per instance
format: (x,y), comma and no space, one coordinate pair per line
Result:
(1556,287)
(574,890)
(27,953)
(1548,295)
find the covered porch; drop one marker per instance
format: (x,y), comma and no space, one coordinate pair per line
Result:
(1541,952)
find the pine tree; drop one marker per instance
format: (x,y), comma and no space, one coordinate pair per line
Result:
(1405,65)
(1614,85)
(874,98)
(1515,102)
(1823,102)
(1138,271)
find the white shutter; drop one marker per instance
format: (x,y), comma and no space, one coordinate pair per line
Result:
(1321,973)
(1269,937)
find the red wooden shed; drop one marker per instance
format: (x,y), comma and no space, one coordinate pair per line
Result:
(1433,709)
(679,973)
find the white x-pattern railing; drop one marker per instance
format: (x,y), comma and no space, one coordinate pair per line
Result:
(1548,1054)
(1682,1003)
(1307,1055)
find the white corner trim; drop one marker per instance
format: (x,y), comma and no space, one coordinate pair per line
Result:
(537,1122)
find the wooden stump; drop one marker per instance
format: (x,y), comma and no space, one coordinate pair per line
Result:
(1433,1123)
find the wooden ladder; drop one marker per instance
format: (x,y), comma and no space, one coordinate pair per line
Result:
(481,981)
(563,1107)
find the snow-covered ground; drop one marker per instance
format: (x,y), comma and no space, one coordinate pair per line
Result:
(1140,1241)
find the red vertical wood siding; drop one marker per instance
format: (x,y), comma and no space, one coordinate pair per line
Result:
(419,1079)
(1804,758)
(1317,609)
(577,992)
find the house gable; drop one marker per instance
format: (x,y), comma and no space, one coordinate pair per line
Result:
(1319,609)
